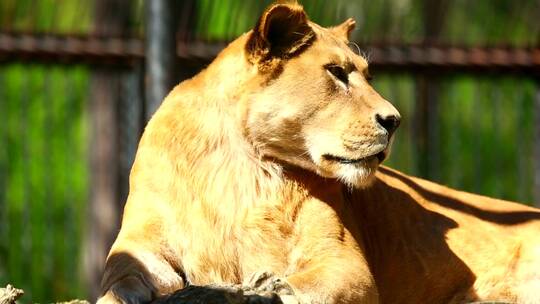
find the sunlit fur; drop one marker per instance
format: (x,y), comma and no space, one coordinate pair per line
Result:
(236,174)
(208,195)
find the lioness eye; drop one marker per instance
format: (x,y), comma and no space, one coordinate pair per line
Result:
(338,72)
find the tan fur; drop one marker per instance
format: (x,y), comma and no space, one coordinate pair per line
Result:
(238,172)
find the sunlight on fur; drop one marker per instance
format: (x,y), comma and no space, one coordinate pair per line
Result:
(263,172)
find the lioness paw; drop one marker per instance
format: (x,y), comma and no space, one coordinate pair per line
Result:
(264,281)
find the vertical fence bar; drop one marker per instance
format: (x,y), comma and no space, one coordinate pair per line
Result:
(537,145)
(131,124)
(27,211)
(496,117)
(71,265)
(187,19)
(112,18)
(187,26)
(103,212)
(524,183)
(43,218)
(428,87)
(426,126)
(478,139)
(4,222)
(160,52)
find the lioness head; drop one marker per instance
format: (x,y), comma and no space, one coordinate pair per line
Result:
(315,107)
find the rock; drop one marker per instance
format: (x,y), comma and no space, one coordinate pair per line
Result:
(10,294)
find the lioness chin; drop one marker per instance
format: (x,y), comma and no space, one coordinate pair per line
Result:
(265,163)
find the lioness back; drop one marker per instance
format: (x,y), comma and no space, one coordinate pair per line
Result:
(427,243)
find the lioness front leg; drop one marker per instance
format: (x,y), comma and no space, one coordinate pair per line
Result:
(327,263)
(134,274)
(339,277)
(321,284)
(341,284)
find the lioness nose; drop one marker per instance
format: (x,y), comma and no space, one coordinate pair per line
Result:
(389,122)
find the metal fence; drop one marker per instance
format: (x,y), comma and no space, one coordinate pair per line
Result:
(74,91)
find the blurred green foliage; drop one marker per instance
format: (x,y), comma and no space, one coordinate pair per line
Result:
(43,162)
(484,22)
(46,16)
(485,135)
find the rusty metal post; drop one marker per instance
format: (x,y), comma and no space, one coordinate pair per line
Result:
(160,52)
(103,212)
(112,19)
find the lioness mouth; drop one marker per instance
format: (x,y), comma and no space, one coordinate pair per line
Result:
(380,156)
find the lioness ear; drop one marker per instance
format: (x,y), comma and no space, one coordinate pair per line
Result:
(345,28)
(281,32)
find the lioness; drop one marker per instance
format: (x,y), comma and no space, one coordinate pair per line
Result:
(265,163)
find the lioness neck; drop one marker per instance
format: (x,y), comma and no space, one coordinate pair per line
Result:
(205,160)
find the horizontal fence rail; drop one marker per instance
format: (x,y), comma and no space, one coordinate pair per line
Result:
(121,51)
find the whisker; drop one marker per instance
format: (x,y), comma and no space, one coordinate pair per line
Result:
(358,51)
(367,56)
(302,154)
